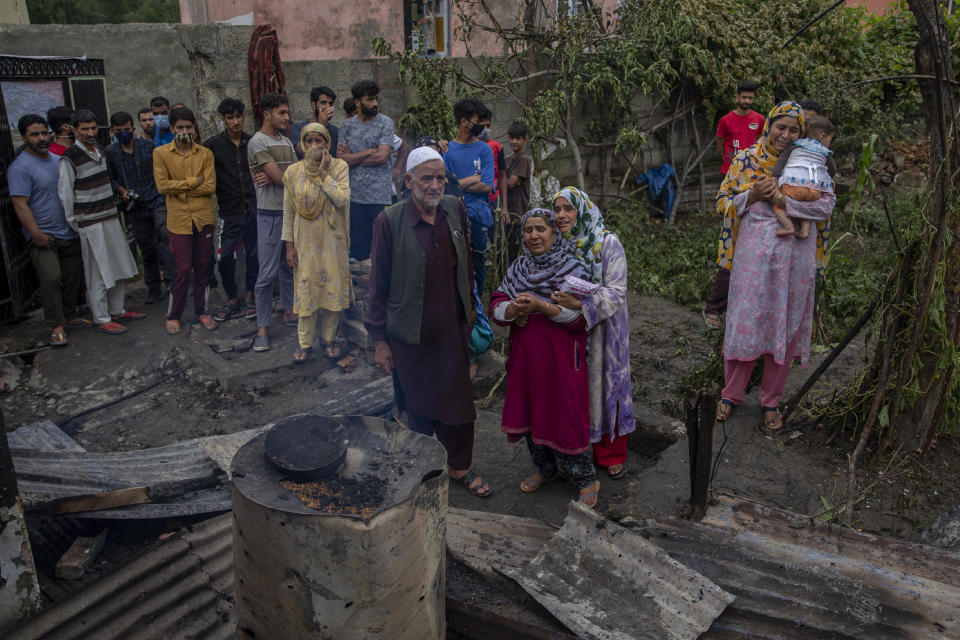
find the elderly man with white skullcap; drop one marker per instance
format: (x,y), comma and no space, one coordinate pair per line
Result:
(421,309)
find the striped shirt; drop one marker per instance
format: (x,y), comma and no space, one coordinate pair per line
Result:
(261,150)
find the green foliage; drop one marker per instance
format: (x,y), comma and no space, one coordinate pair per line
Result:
(102,11)
(433,115)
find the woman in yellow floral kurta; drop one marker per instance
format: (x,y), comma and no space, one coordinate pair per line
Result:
(316,230)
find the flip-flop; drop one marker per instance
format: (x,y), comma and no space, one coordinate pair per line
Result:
(111,328)
(468,478)
(130,315)
(173,327)
(332,350)
(59,339)
(586,499)
(304,354)
(724,414)
(619,473)
(529,484)
(79,323)
(207,322)
(711,320)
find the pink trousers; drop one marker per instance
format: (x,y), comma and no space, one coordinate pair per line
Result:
(737,375)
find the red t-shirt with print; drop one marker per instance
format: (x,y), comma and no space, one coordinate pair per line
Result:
(738,133)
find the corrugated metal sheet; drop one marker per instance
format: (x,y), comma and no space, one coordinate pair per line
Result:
(591,568)
(44,476)
(801,580)
(182,589)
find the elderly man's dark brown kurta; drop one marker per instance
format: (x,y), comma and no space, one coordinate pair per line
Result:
(433,376)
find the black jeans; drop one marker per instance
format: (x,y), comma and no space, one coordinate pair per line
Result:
(236,234)
(168,265)
(141,223)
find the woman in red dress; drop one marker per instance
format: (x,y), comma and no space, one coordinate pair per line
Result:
(547,399)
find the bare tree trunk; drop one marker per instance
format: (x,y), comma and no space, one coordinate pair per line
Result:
(572,143)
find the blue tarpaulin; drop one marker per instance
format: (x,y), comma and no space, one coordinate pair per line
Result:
(662,187)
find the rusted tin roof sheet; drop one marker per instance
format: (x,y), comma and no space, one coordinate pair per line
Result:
(605,583)
(181,589)
(815,580)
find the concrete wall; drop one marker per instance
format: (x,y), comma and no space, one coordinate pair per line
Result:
(201,64)
(197,65)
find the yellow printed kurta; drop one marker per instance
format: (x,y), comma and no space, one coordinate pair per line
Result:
(322,277)
(748,166)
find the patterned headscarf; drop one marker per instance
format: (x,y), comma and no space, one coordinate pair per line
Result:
(544,274)
(587,232)
(302,179)
(748,166)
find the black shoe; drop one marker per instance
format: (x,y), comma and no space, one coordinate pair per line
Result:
(229,310)
(153,297)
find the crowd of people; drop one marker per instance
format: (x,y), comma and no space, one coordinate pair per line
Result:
(302,200)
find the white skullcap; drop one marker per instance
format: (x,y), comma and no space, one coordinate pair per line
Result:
(420,155)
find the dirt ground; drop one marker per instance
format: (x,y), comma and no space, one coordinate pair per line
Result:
(794,469)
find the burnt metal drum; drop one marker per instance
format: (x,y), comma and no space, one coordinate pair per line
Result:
(307,447)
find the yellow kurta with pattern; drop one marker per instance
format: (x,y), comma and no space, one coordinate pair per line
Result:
(322,277)
(748,166)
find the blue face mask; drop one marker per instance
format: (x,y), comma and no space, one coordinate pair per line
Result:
(161,122)
(125,136)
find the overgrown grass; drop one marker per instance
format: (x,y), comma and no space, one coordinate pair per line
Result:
(678,262)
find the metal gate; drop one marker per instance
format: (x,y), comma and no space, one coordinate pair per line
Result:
(67,81)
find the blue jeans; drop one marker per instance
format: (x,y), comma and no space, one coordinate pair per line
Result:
(272,255)
(478,238)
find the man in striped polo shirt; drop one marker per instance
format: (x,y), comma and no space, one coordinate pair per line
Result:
(89,207)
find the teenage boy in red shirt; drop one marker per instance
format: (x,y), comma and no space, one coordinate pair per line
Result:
(741,127)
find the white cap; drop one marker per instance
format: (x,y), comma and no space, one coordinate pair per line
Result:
(420,155)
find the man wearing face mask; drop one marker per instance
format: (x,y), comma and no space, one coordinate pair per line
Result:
(88,205)
(162,134)
(471,160)
(130,163)
(185,174)
(322,101)
(366,144)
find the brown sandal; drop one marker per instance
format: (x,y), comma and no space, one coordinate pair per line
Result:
(724,410)
(776,422)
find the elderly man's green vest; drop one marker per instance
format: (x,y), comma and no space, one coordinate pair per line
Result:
(409,268)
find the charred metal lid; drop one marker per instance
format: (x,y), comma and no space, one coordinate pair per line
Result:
(307,447)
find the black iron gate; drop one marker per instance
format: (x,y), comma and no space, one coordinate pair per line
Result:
(82,84)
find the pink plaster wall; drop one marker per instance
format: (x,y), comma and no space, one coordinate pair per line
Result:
(873,6)
(309,30)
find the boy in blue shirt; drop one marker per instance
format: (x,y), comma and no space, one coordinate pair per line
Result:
(471,160)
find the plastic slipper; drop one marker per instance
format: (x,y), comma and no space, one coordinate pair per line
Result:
(467,480)
(79,323)
(531,484)
(591,498)
(59,339)
(130,315)
(207,322)
(173,327)
(724,410)
(112,329)
(776,422)
(616,471)
(711,320)
(302,355)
